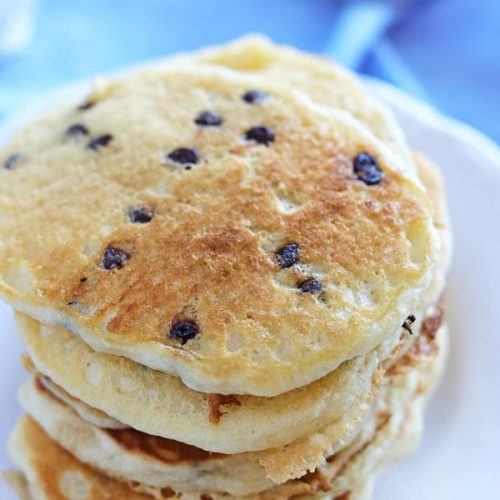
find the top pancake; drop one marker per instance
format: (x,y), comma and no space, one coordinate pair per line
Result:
(325,81)
(198,290)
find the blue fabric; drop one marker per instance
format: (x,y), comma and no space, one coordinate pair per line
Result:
(445,51)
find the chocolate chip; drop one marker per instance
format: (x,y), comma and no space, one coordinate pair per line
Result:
(367,169)
(86,105)
(12,161)
(83,279)
(254,96)
(76,130)
(261,135)
(183,330)
(140,214)
(208,119)
(311,285)
(114,258)
(184,156)
(408,322)
(100,142)
(72,302)
(288,255)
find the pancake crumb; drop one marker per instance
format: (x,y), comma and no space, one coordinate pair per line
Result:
(215,401)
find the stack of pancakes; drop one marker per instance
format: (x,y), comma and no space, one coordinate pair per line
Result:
(227,270)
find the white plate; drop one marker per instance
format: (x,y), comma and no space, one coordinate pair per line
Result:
(459,454)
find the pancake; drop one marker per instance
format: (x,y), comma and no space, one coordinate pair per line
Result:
(159,462)
(432,179)
(136,456)
(390,435)
(395,438)
(54,474)
(256,423)
(51,473)
(92,415)
(19,484)
(320,78)
(240,258)
(158,403)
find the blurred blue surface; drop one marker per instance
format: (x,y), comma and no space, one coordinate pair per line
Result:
(445,50)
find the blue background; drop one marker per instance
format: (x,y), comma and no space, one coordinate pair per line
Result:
(448,51)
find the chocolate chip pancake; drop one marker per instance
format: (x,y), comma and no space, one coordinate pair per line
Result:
(159,462)
(157,238)
(321,78)
(228,272)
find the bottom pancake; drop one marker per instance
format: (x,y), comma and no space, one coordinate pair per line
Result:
(52,350)
(19,484)
(156,462)
(52,473)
